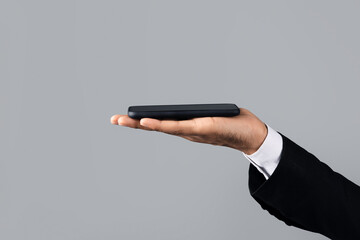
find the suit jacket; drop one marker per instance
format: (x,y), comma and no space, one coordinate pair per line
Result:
(306,193)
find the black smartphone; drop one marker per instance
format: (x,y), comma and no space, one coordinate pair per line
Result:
(183,111)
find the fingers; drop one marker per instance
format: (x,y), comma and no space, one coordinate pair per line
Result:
(114,119)
(125,120)
(174,127)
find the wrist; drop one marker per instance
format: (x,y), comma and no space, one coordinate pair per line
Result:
(267,157)
(257,140)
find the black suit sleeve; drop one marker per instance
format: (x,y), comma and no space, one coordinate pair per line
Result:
(306,193)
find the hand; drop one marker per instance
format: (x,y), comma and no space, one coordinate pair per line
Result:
(244,132)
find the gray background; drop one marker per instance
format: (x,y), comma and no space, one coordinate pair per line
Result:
(67,66)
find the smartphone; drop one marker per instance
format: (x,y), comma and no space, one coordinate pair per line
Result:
(183,111)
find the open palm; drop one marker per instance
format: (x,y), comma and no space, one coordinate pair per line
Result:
(244,132)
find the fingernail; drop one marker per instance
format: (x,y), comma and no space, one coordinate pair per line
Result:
(143,122)
(120,121)
(112,120)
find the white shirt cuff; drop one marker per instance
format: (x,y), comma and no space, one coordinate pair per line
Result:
(267,157)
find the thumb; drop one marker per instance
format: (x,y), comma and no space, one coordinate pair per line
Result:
(150,123)
(170,126)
